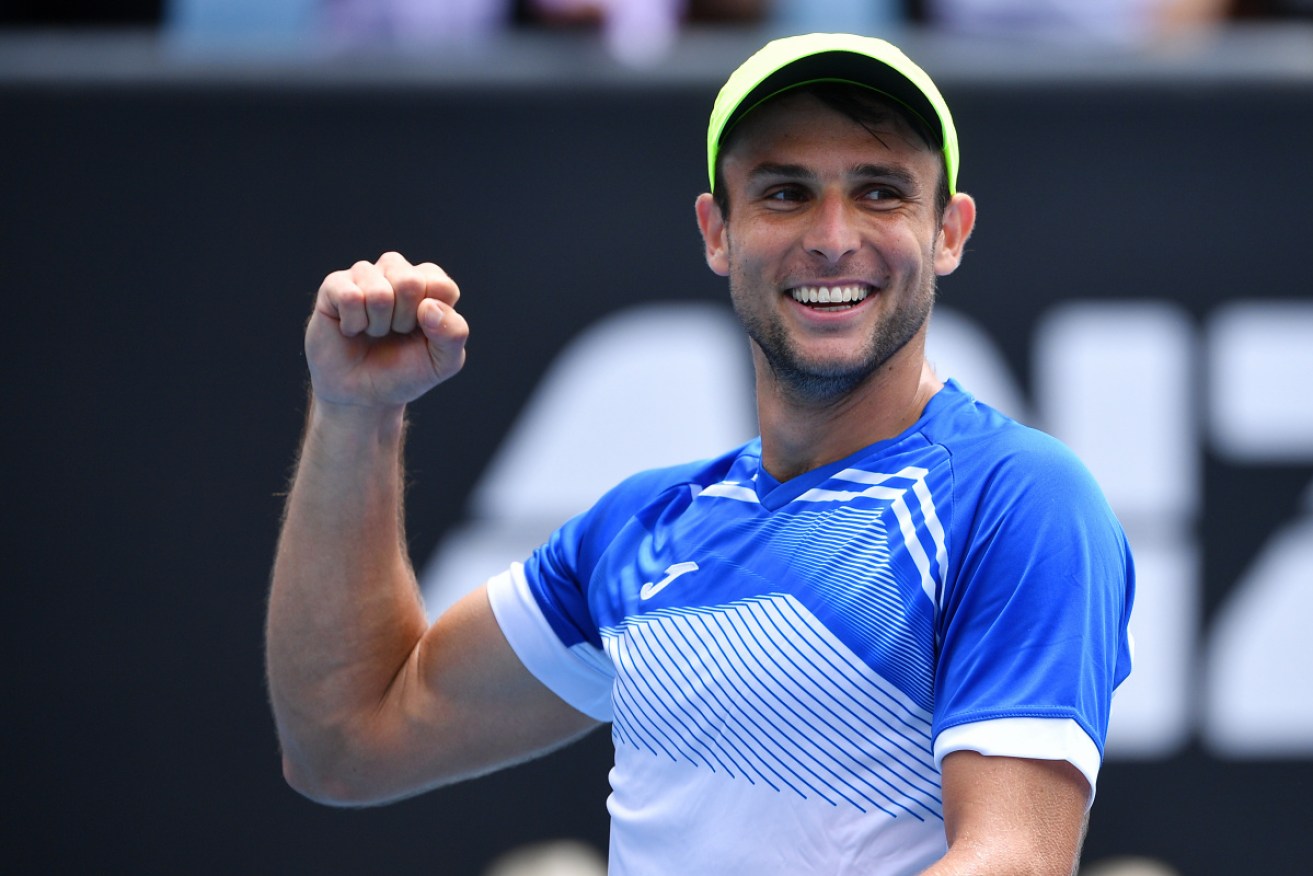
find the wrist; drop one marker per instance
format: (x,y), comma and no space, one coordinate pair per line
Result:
(350,430)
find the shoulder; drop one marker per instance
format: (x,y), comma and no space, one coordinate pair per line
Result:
(1010,477)
(985,444)
(560,573)
(644,496)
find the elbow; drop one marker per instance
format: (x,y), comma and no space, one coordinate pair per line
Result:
(331,764)
(316,785)
(328,785)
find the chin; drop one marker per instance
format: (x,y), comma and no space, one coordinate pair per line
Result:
(820,381)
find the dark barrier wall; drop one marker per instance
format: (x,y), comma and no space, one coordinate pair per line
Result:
(160,249)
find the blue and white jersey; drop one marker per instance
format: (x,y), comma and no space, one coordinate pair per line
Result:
(785,665)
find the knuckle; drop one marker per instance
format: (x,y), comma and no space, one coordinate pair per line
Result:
(335,282)
(433,274)
(409,283)
(375,287)
(350,297)
(377,297)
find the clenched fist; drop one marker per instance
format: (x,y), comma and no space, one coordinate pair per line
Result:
(385,333)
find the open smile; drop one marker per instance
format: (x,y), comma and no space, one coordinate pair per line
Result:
(831,298)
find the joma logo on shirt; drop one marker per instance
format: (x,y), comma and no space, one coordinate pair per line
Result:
(672,572)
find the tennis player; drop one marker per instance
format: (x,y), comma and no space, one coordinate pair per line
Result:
(882,638)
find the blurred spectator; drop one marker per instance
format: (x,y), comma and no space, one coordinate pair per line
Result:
(851,16)
(151,12)
(1126,21)
(1249,9)
(255,23)
(364,21)
(728,11)
(635,31)
(246,23)
(640,31)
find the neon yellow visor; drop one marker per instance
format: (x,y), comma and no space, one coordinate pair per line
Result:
(794,61)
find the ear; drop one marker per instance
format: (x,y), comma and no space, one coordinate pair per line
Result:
(714,235)
(959,220)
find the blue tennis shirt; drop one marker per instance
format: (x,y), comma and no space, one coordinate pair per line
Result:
(785,665)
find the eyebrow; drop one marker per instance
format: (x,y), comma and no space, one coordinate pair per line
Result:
(893,173)
(793,171)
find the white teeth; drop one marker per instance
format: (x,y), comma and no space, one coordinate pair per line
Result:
(828,294)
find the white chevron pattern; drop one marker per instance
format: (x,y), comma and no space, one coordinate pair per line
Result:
(759,691)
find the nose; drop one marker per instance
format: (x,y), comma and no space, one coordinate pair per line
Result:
(832,233)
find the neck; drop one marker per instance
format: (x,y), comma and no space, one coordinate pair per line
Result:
(799,435)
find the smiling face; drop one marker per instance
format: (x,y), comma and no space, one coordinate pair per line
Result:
(832,242)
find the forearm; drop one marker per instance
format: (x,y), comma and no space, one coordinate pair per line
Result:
(344,612)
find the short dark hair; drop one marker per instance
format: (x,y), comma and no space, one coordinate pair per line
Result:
(862,106)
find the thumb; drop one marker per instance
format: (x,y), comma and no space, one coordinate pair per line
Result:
(446,332)
(431,316)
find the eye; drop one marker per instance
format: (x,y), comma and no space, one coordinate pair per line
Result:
(882,193)
(785,194)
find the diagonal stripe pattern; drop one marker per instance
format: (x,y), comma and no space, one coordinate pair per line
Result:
(760,691)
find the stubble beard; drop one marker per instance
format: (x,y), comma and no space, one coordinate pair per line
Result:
(813,381)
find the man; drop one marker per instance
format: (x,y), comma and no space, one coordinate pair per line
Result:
(880,638)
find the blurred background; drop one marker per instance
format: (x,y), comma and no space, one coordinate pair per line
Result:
(179,176)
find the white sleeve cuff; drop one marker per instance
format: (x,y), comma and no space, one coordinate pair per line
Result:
(1038,738)
(581,675)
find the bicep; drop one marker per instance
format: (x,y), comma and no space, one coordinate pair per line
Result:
(464,704)
(1018,814)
